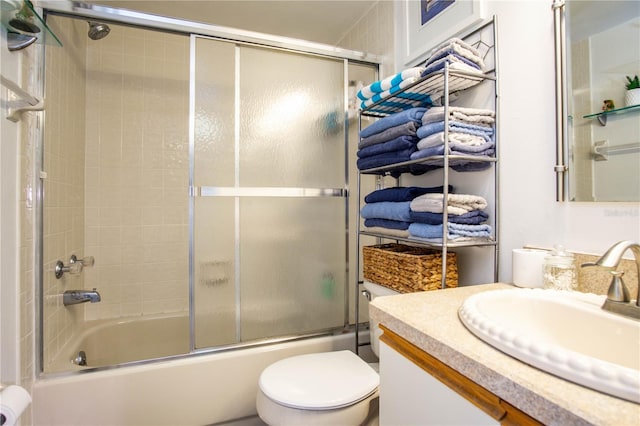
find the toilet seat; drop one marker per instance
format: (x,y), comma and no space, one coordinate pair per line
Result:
(319,381)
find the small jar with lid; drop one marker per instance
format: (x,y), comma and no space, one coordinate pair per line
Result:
(559,270)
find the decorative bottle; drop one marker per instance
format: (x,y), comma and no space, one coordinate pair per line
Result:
(559,270)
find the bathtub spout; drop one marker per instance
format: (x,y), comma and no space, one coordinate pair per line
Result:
(73,297)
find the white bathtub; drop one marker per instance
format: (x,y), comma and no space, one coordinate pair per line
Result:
(120,341)
(196,390)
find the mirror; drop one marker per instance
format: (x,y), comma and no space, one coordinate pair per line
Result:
(597,48)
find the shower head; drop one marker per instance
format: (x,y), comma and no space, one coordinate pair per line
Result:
(98,30)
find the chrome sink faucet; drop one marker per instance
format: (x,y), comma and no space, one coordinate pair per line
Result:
(618,300)
(73,297)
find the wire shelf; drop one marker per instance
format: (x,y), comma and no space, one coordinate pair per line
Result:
(432,85)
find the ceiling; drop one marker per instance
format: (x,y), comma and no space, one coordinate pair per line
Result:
(322,21)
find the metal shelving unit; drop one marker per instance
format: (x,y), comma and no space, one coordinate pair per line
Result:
(445,83)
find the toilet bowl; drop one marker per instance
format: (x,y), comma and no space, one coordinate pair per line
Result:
(328,388)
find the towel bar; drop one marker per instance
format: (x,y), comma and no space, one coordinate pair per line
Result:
(19,100)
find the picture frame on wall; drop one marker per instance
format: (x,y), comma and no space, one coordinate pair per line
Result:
(423,24)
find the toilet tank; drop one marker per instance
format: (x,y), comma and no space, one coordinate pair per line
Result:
(376,290)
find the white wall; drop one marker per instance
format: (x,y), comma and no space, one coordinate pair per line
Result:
(9,371)
(529,212)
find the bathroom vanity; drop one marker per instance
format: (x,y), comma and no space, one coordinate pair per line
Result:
(431,366)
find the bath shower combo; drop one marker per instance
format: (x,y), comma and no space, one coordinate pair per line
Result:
(229,228)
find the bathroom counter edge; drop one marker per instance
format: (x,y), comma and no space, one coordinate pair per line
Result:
(429,320)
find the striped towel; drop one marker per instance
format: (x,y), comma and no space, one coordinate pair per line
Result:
(369,91)
(395,89)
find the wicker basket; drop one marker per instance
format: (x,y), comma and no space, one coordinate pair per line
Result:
(407,269)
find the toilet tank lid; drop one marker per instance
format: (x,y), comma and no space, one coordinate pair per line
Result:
(377,290)
(319,381)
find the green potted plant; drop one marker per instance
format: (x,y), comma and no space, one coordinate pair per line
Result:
(632,95)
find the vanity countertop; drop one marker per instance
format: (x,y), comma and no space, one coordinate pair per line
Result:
(429,320)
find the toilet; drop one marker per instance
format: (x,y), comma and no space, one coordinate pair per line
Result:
(328,388)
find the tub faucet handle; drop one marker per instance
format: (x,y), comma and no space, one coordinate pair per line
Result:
(86,261)
(71,268)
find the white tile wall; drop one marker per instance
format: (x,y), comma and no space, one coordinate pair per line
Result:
(137,172)
(374,33)
(64,195)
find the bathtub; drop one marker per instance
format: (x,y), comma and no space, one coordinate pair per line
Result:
(198,389)
(113,342)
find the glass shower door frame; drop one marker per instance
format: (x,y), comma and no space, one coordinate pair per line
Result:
(238,192)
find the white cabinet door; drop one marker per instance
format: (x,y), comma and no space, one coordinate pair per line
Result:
(411,396)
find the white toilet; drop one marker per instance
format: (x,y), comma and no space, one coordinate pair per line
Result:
(328,388)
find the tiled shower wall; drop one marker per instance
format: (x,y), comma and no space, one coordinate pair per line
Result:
(136,189)
(63,223)
(374,33)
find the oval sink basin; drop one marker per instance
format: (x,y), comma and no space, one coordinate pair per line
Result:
(563,333)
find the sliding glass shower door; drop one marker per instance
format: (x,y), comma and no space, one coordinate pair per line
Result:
(268,193)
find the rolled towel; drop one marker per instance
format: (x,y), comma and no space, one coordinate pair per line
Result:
(386,210)
(480,117)
(407,129)
(456,203)
(401,193)
(410,115)
(387,83)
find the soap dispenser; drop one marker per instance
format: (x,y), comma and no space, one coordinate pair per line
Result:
(559,270)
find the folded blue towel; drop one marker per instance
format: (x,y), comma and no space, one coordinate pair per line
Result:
(401,193)
(386,223)
(439,150)
(386,210)
(449,55)
(413,114)
(454,61)
(474,217)
(454,126)
(455,230)
(384,159)
(405,129)
(397,144)
(470,166)
(392,106)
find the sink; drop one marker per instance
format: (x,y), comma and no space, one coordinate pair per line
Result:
(564,333)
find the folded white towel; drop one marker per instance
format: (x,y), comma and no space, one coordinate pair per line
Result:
(456,203)
(437,139)
(400,233)
(477,116)
(459,47)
